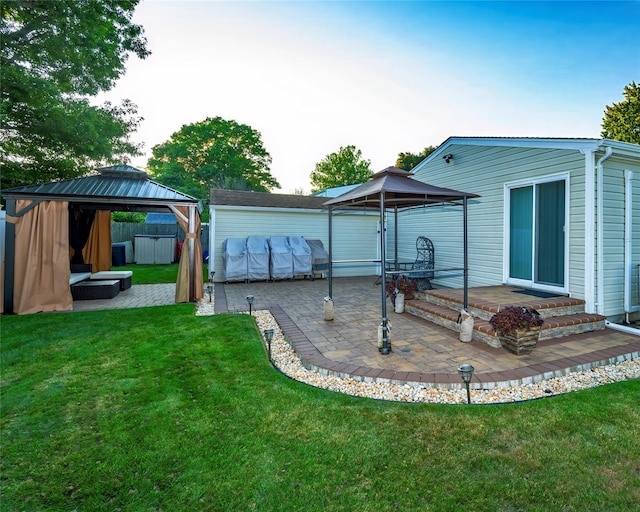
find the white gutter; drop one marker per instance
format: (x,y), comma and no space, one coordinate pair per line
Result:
(600,234)
(622,328)
(628,241)
(589,231)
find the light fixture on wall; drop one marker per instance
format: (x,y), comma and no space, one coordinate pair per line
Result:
(448,157)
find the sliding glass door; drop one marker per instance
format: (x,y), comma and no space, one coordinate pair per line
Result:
(537,241)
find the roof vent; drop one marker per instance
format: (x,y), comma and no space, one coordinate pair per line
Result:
(123,171)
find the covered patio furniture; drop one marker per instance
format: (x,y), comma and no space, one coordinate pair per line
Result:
(319,257)
(302,262)
(258,258)
(235,259)
(281,258)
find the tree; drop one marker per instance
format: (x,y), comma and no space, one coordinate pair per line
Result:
(408,161)
(54,56)
(346,167)
(622,120)
(214,153)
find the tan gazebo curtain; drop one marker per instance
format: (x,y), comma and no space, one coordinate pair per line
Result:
(182,284)
(97,250)
(41,275)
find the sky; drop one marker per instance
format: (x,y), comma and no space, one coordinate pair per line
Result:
(386,77)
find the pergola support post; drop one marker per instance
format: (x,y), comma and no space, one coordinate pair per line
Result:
(385,329)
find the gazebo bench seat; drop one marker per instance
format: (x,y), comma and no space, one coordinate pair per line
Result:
(88,290)
(124,276)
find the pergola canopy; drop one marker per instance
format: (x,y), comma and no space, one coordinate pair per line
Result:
(399,189)
(395,188)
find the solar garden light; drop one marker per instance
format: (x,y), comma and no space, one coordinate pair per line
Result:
(466,372)
(249,301)
(210,291)
(268,336)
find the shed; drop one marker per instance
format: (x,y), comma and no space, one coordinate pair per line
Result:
(52,225)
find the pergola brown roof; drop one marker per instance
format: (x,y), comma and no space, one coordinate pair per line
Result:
(400,189)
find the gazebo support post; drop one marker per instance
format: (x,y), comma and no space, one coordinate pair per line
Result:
(330,254)
(385,334)
(466,254)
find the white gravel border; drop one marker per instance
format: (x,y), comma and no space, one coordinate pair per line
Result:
(285,359)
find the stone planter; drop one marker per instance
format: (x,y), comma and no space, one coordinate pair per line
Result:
(520,342)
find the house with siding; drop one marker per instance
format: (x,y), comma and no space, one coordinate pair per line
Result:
(239,214)
(555,215)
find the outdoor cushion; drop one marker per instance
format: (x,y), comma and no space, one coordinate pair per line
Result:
(124,276)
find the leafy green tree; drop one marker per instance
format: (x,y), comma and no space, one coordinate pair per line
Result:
(214,153)
(346,167)
(622,120)
(54,56)
(408,161)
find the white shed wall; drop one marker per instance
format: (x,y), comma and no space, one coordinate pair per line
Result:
(354,234)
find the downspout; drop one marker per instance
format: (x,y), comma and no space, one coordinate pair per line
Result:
(600,233)
(589,232)
(212,242)
(628,242)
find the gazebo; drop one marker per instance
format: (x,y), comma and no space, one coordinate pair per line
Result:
(394,188)
(52,225)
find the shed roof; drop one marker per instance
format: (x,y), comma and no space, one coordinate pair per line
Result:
(222,197)
(119,187)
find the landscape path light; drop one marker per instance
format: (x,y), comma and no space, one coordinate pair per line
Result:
(210,291)
(249,301)
(268,336)
(466,372)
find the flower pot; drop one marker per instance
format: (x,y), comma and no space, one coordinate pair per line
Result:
(399,303)
(520,342)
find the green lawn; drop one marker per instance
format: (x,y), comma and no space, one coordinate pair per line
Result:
(157,409)
(156,274)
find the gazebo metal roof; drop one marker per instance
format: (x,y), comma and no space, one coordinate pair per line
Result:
(117,188)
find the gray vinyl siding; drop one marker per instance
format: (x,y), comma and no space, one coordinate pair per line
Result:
(614,234)
(485,170)
(354,234)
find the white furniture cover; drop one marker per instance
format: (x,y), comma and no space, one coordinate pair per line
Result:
(235,259)
(258,258)
(281,258)
(301,256)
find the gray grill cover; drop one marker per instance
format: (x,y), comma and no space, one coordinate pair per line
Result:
(234,259)
(281,258)
(319,257)
(258,250)
(301,256)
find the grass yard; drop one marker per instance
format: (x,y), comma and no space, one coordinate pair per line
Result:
(156,274)
(157,409)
